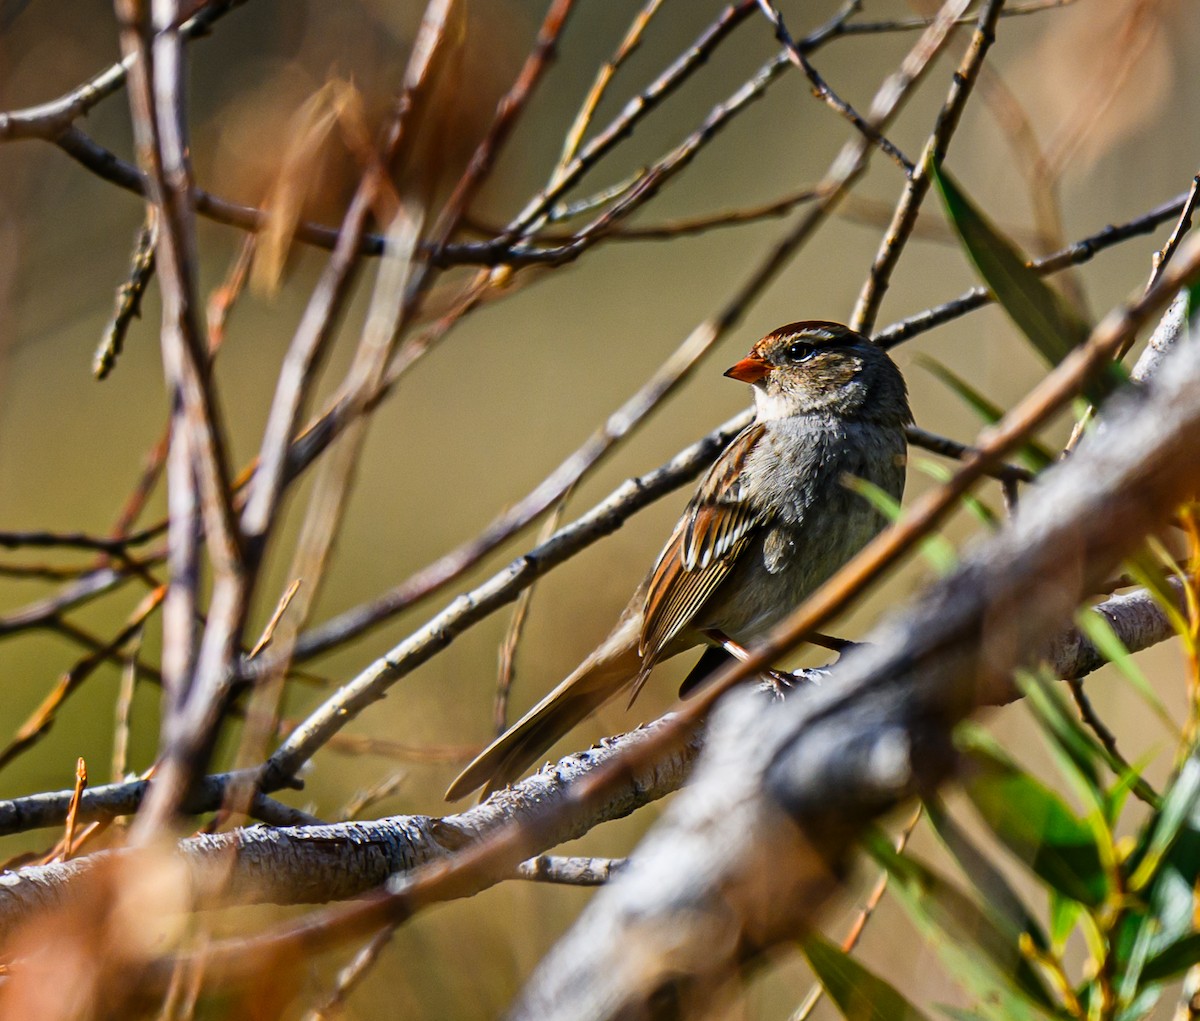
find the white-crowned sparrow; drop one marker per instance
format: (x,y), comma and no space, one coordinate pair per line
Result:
(770,522)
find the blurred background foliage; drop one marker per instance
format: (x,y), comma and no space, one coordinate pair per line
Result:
(1105,87)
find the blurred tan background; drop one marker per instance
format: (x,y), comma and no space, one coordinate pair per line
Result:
(520,385)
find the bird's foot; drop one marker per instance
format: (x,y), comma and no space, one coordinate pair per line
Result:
(780,682)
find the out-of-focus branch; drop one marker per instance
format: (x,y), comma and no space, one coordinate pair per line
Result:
(272,866)
(785,794)
(197,467)
(1136,617)
(960,451)
(47,119)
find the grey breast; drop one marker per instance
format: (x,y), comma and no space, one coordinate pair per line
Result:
(822,523)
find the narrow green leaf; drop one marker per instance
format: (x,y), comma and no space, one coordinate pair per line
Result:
(1169,921)
(1052,326)
(1149,571)
(1173,960)
(1075,751)
(1065,731)
(936,549)
(1135,940)
(858,993)
(1064,913)
(996,893)
(1142,1006)
(1034,823)
(1101,634)
(1172,894)
(972,948)
(1179,804)
(978,509)
(1034,454)
(1130,780)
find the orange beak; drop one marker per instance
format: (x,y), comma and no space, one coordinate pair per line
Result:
(749,370)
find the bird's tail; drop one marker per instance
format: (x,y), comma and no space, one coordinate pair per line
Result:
(611,668)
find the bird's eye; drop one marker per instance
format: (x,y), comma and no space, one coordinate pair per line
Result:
(800,351)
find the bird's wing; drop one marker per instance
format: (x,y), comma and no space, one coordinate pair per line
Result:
(703,548)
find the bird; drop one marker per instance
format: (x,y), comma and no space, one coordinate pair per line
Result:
(770,521)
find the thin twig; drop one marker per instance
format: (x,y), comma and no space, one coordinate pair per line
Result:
(118,546)
(1160,258)
(46,612)
(516,626)
(1078,252)
(960,452)
(859,926)
(47,119)
(822,91)
(350,975)
(68,840)
(42,718)
(280,609)
(1089,716)
(129,298)
(364,799)
(123,708)
(604,77)
(915,189)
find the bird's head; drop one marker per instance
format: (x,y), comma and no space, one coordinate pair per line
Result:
(821,367)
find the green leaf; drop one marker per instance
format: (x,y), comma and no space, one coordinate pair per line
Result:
(939,472)
(1169,920)
(1172,895)
(1173,960)
(996,894)
(1151,572)
(1034,454)
(1064,913)
(1142,1006)
(1075,751)
(1034,823)
(936,549)
(1179,805)
(1065,733)
(972,948)
(1165,867)
(1052,326)
(860,994)
(1101,634)
(1134,942)
(1131,779)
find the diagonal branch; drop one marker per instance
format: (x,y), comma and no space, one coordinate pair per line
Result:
(786,794)
(915,189)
